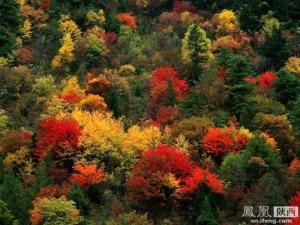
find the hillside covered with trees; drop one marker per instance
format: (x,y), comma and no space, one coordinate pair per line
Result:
(148,112)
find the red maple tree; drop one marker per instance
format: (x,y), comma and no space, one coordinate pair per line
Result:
(86,175)
(54,134)
(265,81)
(166,173)
(164,77)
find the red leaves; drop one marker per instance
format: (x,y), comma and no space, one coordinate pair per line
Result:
(110,37)
(45,4)
(165,115)
(127,19)
(166,173)
(162,79)
(295,201)
(182,6)
(218,142)
(55,133)
(264,81)
(213,182)
(86,175)
(222,73)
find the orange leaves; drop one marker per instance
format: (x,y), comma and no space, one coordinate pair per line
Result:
(71,97)
(223,141)
(213,182)
(127,19)
(166,173)
(86,175)
(294,166)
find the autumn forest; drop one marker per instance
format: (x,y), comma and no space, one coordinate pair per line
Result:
(149,112)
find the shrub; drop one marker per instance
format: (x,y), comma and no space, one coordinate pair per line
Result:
(55,211)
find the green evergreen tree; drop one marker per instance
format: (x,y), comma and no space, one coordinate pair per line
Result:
(10,20)
(207,215)
(294,117)
(196,50)
(6,218)
(82,202)
(287,87)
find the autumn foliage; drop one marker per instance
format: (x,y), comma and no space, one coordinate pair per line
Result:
(127,19)
(86,175)
(71,97)
(165,115)
(294,166)
(295,201)
(183,6)
(54,134)
(264,81)
(166,77)
(223,141)
(167,174)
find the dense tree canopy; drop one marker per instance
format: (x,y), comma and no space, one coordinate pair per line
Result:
(148,112)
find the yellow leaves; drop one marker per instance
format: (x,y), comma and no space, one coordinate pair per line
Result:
(65,53)
(96,18)
(101,134)
(127,70)
(73,87)
(26,29)
(293,65)
(3,62)
(71,34)
(138,139)
(21,2)
(226,22)
(171,181)
(142,3)
(19,160)
(245,132)
(66,25)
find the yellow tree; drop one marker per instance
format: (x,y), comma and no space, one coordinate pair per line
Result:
(293,65)
(226,22)
(65,53)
